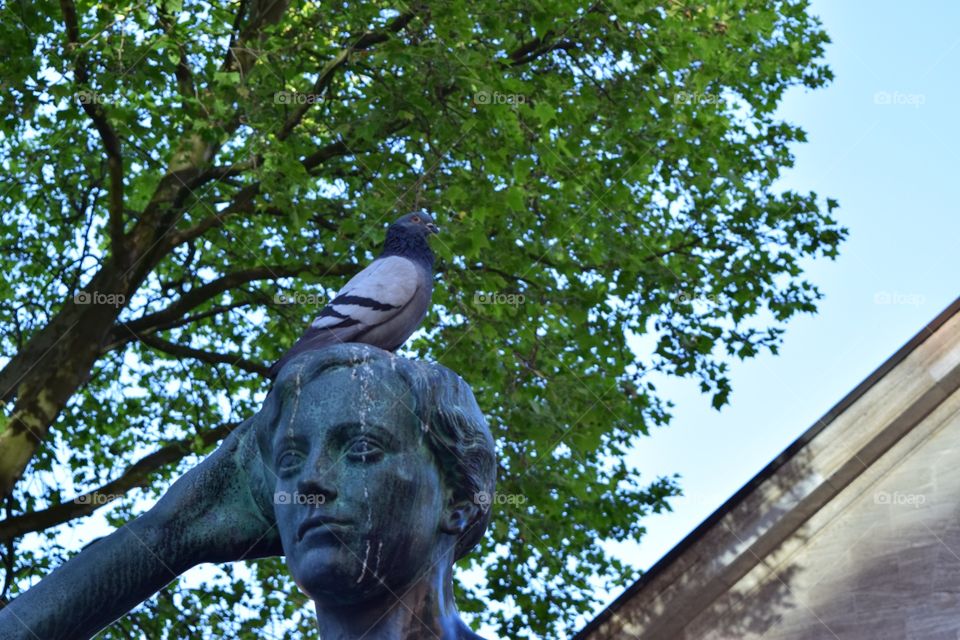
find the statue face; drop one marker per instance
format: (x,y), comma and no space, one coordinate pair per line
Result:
(359,498)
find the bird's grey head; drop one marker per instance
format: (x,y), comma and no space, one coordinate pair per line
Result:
(417,222)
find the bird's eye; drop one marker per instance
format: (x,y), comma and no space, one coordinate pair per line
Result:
(415,218)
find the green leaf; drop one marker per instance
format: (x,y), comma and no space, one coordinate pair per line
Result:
(515,198)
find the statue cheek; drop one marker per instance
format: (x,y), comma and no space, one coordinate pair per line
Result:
(285,522)
(405,473)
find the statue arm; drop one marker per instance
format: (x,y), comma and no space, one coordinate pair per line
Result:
(213,513)
(94,588)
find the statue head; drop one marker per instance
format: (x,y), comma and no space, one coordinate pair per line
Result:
(378,461)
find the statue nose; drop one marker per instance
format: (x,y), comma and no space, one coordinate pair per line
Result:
(319,483)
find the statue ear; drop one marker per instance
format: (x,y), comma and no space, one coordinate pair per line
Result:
(458,516)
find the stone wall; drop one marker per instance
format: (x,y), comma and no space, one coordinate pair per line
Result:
(853,534)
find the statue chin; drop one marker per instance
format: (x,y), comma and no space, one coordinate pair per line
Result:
(341,575)
(329,574)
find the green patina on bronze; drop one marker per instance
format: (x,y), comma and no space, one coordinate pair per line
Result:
(371,473)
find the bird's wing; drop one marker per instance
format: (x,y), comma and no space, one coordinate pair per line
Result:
(371,297)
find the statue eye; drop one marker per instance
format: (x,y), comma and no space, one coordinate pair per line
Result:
(365,448)
(288,459)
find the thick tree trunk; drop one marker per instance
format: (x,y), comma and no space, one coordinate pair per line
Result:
(58,362)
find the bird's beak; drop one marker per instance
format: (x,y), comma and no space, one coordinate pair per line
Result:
(432,228)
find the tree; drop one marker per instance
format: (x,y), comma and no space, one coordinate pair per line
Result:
(184,183)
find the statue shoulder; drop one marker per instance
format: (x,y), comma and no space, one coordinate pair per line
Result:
(466,633)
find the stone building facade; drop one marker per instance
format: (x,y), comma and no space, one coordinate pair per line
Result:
(853,533)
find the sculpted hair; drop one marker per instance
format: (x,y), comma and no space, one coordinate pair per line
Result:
(455,429)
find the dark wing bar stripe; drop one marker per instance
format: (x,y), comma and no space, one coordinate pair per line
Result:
(349,322)
(331,312)
(361,301)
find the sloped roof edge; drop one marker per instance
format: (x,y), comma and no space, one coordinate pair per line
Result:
(771,468)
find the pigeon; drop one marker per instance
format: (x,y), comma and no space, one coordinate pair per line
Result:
(383,304)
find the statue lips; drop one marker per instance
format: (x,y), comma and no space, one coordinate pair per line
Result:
(331,527)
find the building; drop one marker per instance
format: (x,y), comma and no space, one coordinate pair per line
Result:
(852,533)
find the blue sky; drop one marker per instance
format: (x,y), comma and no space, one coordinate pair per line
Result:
(883,141)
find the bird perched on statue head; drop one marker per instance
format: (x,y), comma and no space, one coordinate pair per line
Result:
(383,304)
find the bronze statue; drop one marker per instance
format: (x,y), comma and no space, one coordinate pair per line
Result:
(371,473)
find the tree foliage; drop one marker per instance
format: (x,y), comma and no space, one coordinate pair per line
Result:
(184,183)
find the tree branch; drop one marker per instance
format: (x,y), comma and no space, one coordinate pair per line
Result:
(118,341)
(111,142)
(242,52)
(542,45)
(189,158)
(224,172)
(365,41)
(503,274)
(185,83)
(198,295)
(230,59)
(214,311)
(340,148)
(243,200)
(137,475)
(210,357)
(538,47)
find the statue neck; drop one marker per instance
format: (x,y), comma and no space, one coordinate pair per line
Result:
(424,610)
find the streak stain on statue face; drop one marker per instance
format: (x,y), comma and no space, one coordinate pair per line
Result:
(359,498)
